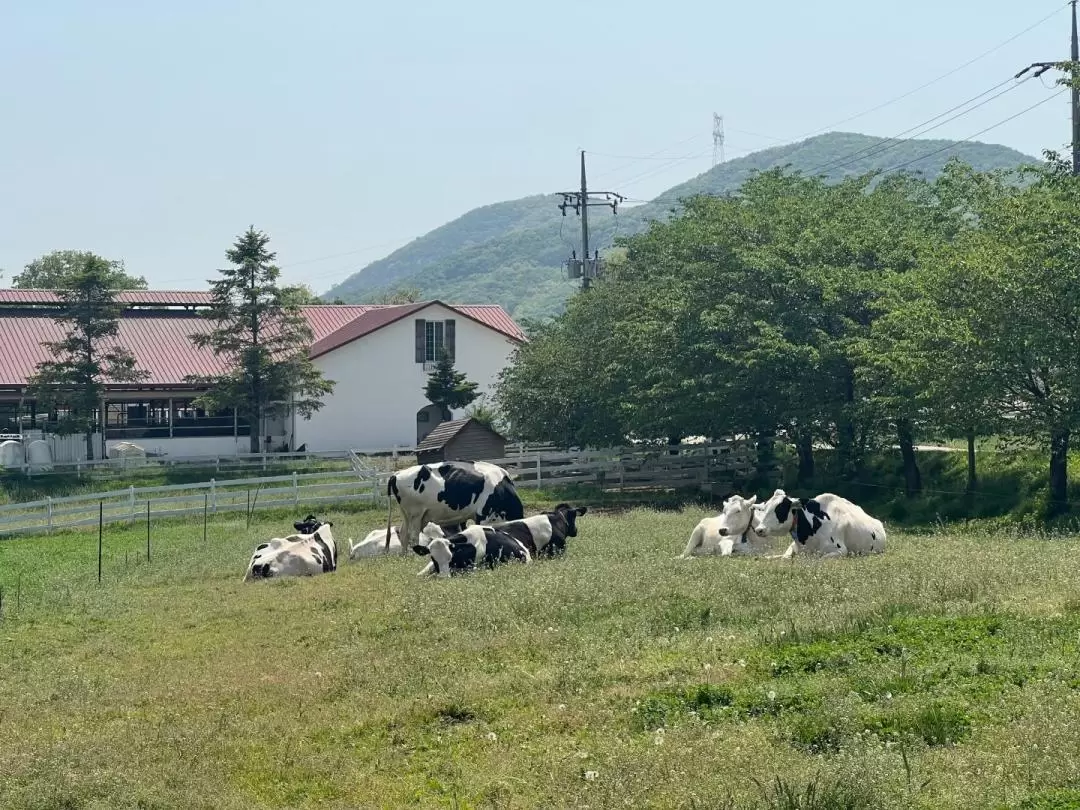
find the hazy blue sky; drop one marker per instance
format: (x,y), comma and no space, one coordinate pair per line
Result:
(155,132)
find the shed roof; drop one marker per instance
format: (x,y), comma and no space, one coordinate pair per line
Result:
(444,433)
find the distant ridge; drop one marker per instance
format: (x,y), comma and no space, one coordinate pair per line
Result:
(511,253)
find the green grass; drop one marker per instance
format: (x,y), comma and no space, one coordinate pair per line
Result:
(943,674)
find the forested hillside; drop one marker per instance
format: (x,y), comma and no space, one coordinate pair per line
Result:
(511,253)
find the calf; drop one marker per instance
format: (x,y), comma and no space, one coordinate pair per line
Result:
(297,555)
(726,534)
(827,525)
(450,493)
(464,550)
(374,544)
(545,534)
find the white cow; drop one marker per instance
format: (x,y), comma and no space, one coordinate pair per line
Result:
(450,493)
(729,533)
(827,525)
(375,544)
(298,555)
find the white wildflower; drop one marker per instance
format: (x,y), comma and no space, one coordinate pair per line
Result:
(591,775)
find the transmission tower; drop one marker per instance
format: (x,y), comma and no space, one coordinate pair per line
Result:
(717,139)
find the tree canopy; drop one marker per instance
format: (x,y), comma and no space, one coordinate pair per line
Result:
(64,268)
(260,331)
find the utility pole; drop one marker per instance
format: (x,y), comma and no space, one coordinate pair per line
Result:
(585,268)
(1073,78)
(717,139)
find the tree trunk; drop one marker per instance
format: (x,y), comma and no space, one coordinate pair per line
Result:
(90,442)
(971,479)
(673,445)
(905,433)
(845,429)
(255,426)
(1059,471)
(804,445)
(766,454)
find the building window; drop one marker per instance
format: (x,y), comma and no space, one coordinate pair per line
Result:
(189,420)
(433,342)
(149,419)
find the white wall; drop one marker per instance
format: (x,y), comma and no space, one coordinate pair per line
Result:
(180,446)
(380,386)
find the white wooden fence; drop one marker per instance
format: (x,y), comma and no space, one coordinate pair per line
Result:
(295,491)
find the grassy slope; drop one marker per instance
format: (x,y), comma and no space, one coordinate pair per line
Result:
(512,252)
(176,685)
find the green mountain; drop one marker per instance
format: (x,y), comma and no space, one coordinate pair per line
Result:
(512,253)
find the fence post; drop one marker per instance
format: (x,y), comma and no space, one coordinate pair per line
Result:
(205,498)
(148,530)
(538,471)
(295,489)
(131,500)
(48,511)
(213,494)
(100,532)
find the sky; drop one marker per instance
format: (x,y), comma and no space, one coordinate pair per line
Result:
(156,133)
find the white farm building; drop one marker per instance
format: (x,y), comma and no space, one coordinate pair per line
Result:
(378,355)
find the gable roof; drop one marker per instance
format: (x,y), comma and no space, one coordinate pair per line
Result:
(161,339)
(492,316)
(444,433)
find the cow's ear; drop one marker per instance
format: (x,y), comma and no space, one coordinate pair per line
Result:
(581,510)
(421,550)
(752,501)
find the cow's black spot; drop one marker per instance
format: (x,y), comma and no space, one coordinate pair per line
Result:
(327,559)
(521,533)
(783,509)
(462,486)
(500,547)
(423,475)
(814,508)
(421,550)
(873,536)
(261,571)
(261,546)
(503,501)
(462,556)
(804,526)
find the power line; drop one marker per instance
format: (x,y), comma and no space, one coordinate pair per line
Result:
(942,77)
(883,145)
(953,144)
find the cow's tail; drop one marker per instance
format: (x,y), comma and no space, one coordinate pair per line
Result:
(391,488)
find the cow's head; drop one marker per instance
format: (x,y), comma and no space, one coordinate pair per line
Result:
(439,551)
(571,514)
(736,518)
(504,502)
(309,524)
(777,515)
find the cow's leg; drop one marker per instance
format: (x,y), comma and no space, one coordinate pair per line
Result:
(693,544)
(408,535)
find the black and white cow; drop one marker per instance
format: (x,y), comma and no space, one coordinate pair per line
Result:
(468,549)
(545,534)
(450,493)
(298,555)
(826,524)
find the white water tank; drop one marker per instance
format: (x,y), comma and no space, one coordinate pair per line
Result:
(39,455)
(11,455)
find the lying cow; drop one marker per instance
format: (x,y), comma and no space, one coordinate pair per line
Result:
(827,525)
(467,549)
(298,555)
(450,493)
(729,533)
(375,544)
(545,534)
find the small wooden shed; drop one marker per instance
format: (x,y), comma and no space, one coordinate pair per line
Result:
(460,440)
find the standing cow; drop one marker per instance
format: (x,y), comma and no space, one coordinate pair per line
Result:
(827,525)
(450,493)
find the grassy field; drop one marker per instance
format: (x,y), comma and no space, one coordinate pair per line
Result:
(943,674)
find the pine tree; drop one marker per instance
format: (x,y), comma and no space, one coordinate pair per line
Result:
(74,382)
(261,333)
(449,388)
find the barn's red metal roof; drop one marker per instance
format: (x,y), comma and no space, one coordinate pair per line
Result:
(166,298)
(161,341)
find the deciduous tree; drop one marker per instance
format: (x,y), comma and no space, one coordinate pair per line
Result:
(60,268)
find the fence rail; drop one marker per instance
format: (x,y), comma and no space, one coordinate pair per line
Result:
(178,500)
